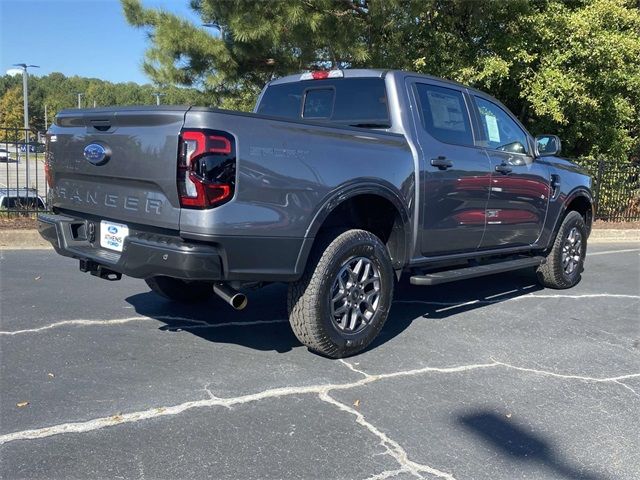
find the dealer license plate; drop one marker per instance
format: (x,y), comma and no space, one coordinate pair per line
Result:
(112,235)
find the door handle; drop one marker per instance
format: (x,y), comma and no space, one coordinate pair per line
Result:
(504,168)
(441,162)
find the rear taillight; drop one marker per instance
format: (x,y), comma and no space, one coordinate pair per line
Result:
(206,168)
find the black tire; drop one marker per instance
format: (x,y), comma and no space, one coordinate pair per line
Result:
(555,272)
(309,300)
(180,290)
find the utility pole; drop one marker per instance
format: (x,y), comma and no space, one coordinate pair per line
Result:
(80,95)
(94,104)
(158,95)
(25,95)
(46,118)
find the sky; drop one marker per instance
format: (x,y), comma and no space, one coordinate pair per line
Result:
(90,38)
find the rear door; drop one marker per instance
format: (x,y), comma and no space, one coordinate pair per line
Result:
(520,185)
(455,173)
(119,165)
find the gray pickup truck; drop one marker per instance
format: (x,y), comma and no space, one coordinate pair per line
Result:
(338,184)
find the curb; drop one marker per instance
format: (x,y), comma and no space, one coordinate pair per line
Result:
(22,240)
(31,239)
(614,235)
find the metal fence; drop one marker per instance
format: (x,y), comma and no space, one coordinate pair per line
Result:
(23,183)
(24,189)
(616,189)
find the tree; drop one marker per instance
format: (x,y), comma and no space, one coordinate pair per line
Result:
(565,66)
(11,114)
(59,92)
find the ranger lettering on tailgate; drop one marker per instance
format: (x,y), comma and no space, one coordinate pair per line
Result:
(128,202)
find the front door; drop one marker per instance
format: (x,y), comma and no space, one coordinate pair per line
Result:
(455,173)
(520,186)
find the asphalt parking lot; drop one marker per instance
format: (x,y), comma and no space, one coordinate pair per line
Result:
(493,378)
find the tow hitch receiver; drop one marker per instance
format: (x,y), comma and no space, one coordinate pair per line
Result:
(98,270)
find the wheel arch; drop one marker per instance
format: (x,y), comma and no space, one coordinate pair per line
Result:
(581,201)
(371,206)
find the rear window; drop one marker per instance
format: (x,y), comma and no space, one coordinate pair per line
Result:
(348,101)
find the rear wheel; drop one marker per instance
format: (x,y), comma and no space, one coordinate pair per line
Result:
(180,290)
(343,299)
(565,261)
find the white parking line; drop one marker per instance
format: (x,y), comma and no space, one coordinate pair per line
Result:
(613,251)
(198,324)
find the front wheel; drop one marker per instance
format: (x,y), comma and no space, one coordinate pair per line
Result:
(565,261)
(343,299)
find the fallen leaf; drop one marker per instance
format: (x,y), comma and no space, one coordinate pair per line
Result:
(50,375)
(508,415)
(22,404)
(38,277)
(356,403)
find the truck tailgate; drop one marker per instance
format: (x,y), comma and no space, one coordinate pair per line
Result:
(118,163)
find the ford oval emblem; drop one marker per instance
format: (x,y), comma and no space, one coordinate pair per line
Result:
(96,154)
(113,230)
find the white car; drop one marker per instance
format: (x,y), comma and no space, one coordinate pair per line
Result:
(4,155)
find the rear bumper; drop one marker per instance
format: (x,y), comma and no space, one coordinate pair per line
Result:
(149,253)
(144,254)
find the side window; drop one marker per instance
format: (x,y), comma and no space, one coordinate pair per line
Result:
(500,130)
(318,103)
(444,114)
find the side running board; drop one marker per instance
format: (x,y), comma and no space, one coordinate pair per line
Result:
(478,271)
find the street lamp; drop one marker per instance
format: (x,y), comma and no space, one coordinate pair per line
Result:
(25,95)
(25,90)
(158,95)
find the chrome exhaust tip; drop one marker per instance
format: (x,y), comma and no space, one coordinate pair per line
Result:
(233,297)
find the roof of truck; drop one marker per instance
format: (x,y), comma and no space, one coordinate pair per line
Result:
(347,73)
(381,73)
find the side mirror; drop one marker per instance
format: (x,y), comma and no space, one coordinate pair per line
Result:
(547,145)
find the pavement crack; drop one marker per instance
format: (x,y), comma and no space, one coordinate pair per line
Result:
(213,401)
(353,368)
(388,474)
(392,447)
(616,379)
(627,387)
(79,322)
(195,324)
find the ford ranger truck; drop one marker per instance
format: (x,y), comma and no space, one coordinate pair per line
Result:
(339,183)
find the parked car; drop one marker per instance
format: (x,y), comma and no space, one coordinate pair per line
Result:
(338,184)
(4,155)
(21,199)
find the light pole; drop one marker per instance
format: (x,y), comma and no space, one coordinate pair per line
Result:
(158,95)
(25,95)
(25,90)
(80,95)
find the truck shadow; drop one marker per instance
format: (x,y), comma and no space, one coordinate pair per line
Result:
(519,443)
(263,324)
